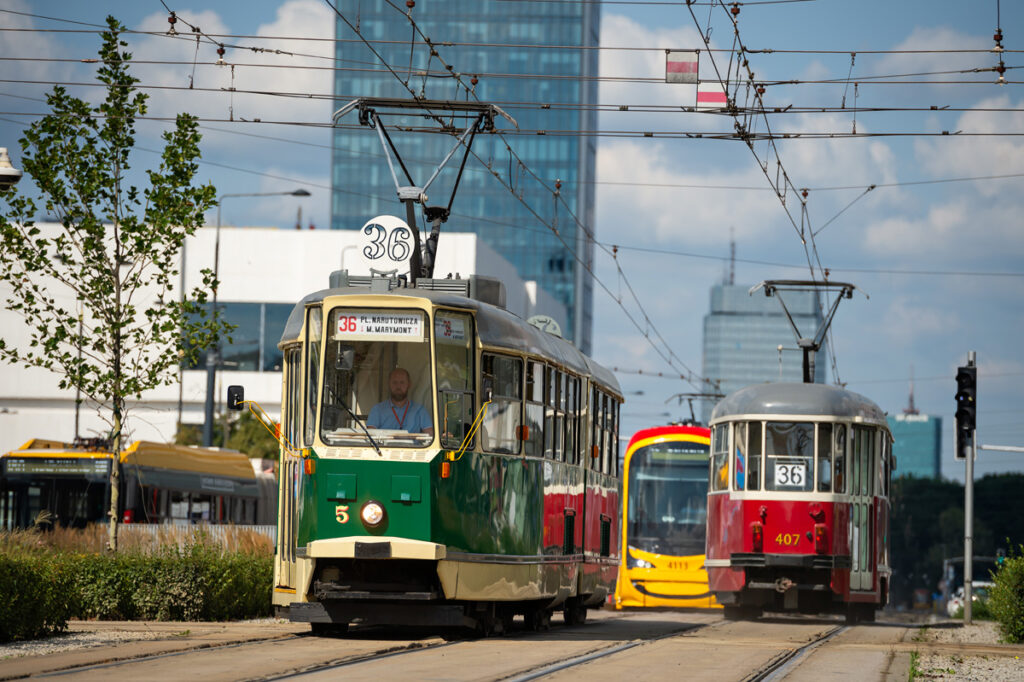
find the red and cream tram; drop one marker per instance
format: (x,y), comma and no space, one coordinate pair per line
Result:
(798,508)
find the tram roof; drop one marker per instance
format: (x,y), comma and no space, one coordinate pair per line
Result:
(495,327)
(798,399)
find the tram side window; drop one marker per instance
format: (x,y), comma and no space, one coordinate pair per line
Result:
(719,462)
(293,391)
(554,415)
(839,458)
(453,333)
(824,458)
(789,453)
(314,332)
(747,465)
(572,413)
(533,418)
(612,436)
(596,430)
(503,379)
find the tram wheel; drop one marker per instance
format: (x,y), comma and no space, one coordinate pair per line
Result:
(741,612)
(329,629)
(574,613)
(538,620)
(860,613)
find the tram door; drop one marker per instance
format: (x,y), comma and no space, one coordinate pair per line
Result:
(291,471)
(861,516)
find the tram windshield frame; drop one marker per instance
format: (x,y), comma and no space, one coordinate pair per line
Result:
(786,455)
(667,498)
(362,348)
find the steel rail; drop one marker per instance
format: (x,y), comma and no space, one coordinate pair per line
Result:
(127,660)
(779,667)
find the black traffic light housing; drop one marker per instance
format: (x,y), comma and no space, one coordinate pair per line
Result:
(966,397)
(966,411)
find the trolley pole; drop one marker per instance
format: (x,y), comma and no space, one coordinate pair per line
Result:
(969,516)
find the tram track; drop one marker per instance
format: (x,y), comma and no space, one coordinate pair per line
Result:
(362,664)
(543,671)
(787,661)
(140,658)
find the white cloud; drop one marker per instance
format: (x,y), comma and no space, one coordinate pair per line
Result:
(304,18)
(920,52)
(909,321)
(30,47)
(992,154)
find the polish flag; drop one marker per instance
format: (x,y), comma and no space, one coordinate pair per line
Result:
(711,95)
(681,67)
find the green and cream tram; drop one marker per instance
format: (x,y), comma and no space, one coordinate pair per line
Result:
(445,463)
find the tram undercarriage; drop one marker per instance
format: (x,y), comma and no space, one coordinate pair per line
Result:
(412,592)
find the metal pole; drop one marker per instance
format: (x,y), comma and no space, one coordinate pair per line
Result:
(212,355)
(415,259)
(969,517)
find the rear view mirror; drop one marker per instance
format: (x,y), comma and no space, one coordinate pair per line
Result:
(346,357)
(236,396)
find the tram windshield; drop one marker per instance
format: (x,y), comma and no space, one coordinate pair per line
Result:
(377,378)
(667,505)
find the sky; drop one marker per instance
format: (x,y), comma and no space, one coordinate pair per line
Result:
(936,249)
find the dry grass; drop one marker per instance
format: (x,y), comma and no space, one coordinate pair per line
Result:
(134,538)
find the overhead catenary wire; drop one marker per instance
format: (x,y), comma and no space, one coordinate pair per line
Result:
(668,357)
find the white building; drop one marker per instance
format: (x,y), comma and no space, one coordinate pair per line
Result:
(263,273)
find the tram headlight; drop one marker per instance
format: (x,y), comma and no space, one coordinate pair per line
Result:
(372,514)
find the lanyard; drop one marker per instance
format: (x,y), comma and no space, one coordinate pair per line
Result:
(402,420)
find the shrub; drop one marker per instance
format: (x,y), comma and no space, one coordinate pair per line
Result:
(1006,599)
(44,582)
(36,597)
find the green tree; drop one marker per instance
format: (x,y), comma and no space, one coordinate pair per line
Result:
(245,433)
(115,251)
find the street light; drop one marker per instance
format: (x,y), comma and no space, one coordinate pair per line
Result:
(213,354)
(9,175)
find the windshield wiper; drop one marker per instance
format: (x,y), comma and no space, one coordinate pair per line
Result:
(355,418)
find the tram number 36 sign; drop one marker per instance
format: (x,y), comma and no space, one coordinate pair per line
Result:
(790,474)
(388,238)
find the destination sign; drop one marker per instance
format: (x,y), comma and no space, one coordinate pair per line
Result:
(380,325)
(56,466)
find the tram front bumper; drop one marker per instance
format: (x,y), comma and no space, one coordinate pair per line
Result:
(758,560)
(375,547)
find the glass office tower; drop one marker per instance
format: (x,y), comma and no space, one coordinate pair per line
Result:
(743,333)
(917,445)
(493,39)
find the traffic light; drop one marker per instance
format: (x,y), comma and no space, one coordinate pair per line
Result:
(966,411)
(966,398)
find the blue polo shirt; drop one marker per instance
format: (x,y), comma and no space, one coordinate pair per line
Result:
(386,415)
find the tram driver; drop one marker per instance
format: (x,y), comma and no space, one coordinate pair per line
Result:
(399,412)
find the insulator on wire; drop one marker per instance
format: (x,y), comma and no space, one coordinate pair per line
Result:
(173,19)
(735,9)
(410,3)
(220,55)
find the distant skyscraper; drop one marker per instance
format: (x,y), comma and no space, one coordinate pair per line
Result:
(510,76)
(917,442)
(917,445)
(743,333)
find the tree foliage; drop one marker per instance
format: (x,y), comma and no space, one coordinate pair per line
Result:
(97,293)
(927,526)
(245,434)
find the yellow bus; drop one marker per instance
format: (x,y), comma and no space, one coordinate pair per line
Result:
(69,485)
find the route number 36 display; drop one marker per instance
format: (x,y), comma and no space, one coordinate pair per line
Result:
(790,474)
